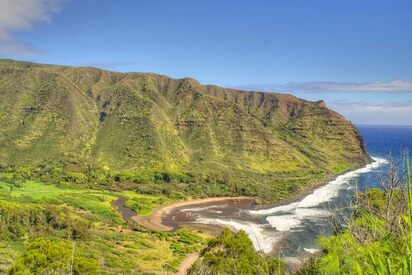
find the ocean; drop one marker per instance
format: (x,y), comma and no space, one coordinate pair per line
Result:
(382,141)
(290,231)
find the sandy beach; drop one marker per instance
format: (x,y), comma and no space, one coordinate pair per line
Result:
(159,220)
(154,221)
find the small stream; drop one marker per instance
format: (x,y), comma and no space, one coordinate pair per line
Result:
(124,211)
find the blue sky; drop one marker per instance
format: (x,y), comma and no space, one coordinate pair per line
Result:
(354,54)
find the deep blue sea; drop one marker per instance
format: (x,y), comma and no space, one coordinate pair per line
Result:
(382,141)
(291,230)
(387,142)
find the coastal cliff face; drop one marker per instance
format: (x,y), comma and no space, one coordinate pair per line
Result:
(145,124)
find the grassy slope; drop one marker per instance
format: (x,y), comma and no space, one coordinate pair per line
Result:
(220,141)
(143,124)
(115,251)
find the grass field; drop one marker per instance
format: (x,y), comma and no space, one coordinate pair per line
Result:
(97,202)
(116,247)
(176,137)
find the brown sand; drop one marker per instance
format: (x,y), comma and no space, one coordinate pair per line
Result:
(154,221)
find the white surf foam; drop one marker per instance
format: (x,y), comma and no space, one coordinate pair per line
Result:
(286,222)
(311,212)
(290,216)
(322,194)
(260,240)
(283,222)
(282,208)
(198,209)
(331,190)
(311,250)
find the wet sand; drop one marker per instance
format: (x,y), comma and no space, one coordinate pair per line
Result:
(184,213)
(172,216)
(289,232)
(187,214)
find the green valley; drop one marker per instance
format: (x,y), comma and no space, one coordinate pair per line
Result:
(75,139)
(161,135)
(205,137)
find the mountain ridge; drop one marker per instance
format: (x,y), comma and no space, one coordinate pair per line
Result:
(142,125)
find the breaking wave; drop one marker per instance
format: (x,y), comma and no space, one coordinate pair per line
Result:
(261,240)
(283,218)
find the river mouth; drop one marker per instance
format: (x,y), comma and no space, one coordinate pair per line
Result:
(289,231)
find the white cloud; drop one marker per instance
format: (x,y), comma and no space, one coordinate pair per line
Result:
(362,112)
(388,86)
(336,87)
(22,15)
(370,108)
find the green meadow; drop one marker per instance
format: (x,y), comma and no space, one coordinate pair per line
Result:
(42,216)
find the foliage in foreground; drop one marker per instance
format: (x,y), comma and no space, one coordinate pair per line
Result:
(234,254)
(40,222)
(378,238)
(53,257)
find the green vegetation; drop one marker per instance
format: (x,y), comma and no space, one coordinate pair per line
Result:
(74,139)
(39,223)
(96,201)
(378,238)
(90,127)
(234,254)
(44,256)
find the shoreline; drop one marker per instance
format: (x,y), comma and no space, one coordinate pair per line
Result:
(302,194)
(154,220)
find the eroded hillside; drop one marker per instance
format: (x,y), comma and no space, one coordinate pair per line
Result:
(142,125)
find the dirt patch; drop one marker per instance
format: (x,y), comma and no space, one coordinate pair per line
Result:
(187,263)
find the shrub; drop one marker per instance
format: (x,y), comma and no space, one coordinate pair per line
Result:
(45,256)
(76,177)
(234,254)
(18,220)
